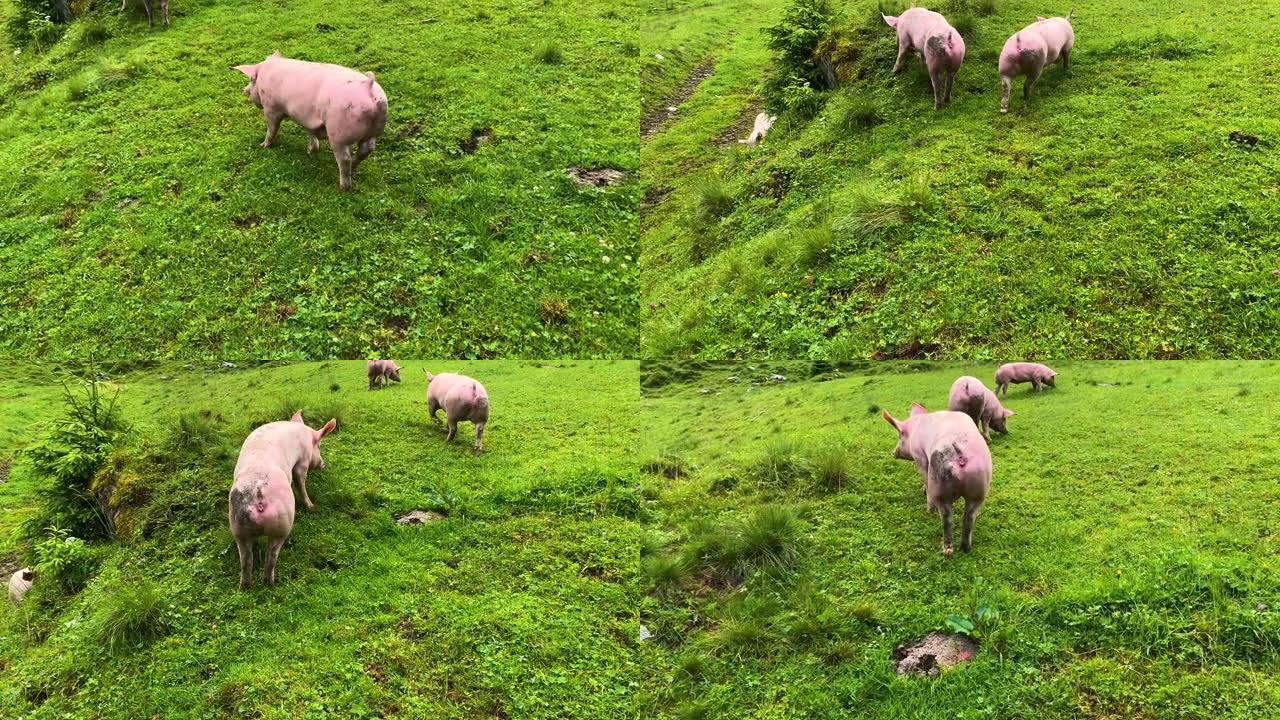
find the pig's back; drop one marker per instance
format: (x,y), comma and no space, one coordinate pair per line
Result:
(274,445)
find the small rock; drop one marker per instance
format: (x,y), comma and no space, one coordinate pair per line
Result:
(227,364)
(1275,272)
(1260,607)
(166,377)
(644,633)
(188,366)
(777,378)
(127,203)
(734,379)
(656,55)
(672,109)
(933,653)
(419,517)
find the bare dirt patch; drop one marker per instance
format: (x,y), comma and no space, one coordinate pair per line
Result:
(654,121)
(419,517)
(933,653)
(595,177)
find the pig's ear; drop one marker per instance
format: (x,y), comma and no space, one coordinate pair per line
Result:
(297,417)
(250,70)
(1008,412)
(890,20)
(917,409)
(889,419)
(328,428)
(1040,19)
(276,53)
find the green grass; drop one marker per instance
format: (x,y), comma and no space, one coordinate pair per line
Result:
(1108,218)
(139,210)
(522,603)
(1124,564)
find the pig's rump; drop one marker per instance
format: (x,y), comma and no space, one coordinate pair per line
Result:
(945,50)
(959,466)
(261,503)
(467,400)
(1023,54)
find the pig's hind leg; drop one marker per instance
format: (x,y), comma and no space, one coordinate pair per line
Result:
(433,407)
(479,444)
(269,567)
(971,508)
(301,473)
(245,546)
(904,47)
(366,147)
(342,153)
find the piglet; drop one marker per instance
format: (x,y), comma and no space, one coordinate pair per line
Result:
(261,498)
(971,397)
(462,399)
(1035,373)
(382,372)
(19,584)
(954,460)
(1032,48)
(940,46)
(330,101)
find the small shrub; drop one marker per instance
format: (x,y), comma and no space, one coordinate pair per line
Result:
(794,39)
(830,468)
(550,54)
(859,114)
(798,98)
(554,310)
(713,202)
(94,33)
(64,561)
(132,614)
(769,539)
(780,465)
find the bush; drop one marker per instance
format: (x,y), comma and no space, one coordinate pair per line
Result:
(131,615)
(64,561)
(68,458)
(794,40)
(36,23)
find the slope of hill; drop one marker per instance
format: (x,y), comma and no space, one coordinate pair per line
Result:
(519,603)
(138,208)
(1111,216)
(1124,563)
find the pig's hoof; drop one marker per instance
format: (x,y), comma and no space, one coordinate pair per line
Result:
(311,506)
(946,551)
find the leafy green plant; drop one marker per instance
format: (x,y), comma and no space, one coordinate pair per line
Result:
(64,560)
(795,37)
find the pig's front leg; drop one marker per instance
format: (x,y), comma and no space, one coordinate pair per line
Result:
(246,562)
(273,126)
(904,47)
(342,153)
(453,430)
(301,473)
(432,408)
(314,144)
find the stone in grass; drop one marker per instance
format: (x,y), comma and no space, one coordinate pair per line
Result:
(595,177)
(419,517)
(644,633)
(933,653)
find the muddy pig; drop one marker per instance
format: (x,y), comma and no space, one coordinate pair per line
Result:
(940,47)
(329,101)
(1020,372)
(261,498)
(971,397)
(382,372)
(462,399)
(954,461)
(1032,48)
(19,583)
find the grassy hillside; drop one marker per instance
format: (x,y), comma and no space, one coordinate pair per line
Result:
(139,209)
(521,603)
(1124,564)
(1110,217)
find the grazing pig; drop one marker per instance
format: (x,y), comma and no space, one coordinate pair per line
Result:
(1032,48)
(971,397)
(764,121)
(462,399)
(1021,372)
(330,101)
(954,460)
(939,45)
(19,583)
(146,5)
(261,499)
(382,372)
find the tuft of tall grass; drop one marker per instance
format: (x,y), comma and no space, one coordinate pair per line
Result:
(769,539)
(131,615)
(713,202)
(780,465)
(549,54)
(830,468)
(859,113)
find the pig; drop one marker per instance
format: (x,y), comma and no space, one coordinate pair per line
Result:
(146,5)
(939,45)
(329,101)
(382,372)
(954,461)
(462,399)
(971,397)
(19,583)
(1032,48)
(261,498)
(1020,372)
(764,121)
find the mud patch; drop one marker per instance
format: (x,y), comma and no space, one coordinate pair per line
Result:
(1243,140)
(6,464)
(244,222)
(419,517)
(654,121)
(653,197)
(595,177)
(932,654)
(479,137)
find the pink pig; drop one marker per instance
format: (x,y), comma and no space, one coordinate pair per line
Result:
(261,498)
(462,399)
(971,397)
(330,101)
(954,460)
(382,372)
(1030,50)
(1020,372)
(939,45)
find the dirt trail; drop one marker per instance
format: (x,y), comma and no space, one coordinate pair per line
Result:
(654,121)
